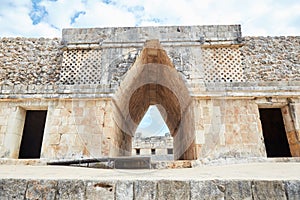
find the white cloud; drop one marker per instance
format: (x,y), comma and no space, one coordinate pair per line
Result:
(99,14)
(60,12)
(269,17)
(15,21)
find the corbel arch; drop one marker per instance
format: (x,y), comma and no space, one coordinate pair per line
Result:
(153,80)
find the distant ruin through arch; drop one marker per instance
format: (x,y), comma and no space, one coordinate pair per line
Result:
(152,137)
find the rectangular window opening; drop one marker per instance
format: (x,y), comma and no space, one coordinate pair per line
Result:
(152,151)
(137,151)
(33,133)
(274,133)
(170,151)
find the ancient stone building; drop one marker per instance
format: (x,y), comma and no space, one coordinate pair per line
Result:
(222,95)
(159,148)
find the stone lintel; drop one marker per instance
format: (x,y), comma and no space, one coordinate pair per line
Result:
(119,35)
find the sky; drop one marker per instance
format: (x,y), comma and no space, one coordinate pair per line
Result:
(152,123)
(46,18)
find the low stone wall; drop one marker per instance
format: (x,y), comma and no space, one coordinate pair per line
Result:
(149,189)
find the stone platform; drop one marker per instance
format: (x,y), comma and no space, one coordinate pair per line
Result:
(236,181)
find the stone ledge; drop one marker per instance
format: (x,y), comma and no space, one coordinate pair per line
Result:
(241,181)
(145,189)
(168,33)
(35,162)
(197,90)
(245,89)
(202,42)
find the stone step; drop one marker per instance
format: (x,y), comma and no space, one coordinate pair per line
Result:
(132,163)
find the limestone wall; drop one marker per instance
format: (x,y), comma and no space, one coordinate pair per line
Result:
(40,66)
(29,61)
(161,144)
(271,58)
(73,129)
(149,189)
(40,61)
(291,116)
(228,128)
(76,77)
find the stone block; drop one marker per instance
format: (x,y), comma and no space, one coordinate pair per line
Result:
(171,189)
(100,190)
(250,134)
(70,189)
(132,163)
(200,138)
(146,151)
(161,151)
(69,139)
(54,121)
(77,111)
(238,190)
(12,142)
(52,129)
(13,189)
(108,121)
(292,189)
(207,190)
(41,189)
(3,120)
(53,139)
(56,112)
(1,137)
(124,190)
(145,190)
(268,190)
(90,104)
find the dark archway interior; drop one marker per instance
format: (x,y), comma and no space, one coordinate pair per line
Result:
(33,133)
(274,133)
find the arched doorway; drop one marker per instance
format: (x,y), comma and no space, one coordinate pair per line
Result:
(152,137)
(154,80)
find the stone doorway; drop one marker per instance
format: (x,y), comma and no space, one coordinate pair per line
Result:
(274,133)
(33,133)
(153,80)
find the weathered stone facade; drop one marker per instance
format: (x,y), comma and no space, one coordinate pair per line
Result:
(96,84)
(148,189)
(30,61)
(160,148)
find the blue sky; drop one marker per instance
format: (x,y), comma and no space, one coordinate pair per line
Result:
(152,123)
(46,18)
